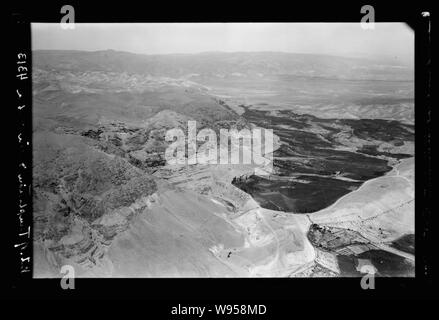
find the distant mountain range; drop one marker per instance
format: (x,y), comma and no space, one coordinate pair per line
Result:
(223,65)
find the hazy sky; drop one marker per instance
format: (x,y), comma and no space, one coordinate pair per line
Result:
(346,39)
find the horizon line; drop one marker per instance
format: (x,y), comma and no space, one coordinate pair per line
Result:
(350,56)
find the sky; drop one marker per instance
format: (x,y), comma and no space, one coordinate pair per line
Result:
(393,40)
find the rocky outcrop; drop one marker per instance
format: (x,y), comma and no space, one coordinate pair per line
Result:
(83,198)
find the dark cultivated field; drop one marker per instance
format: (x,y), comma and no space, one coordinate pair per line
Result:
(386,263)
(405,243)
(313,194)
(311,156)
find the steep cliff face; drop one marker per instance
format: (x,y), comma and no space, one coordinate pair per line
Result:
(83,197)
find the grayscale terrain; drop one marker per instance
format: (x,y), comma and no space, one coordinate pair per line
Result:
(106,202)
